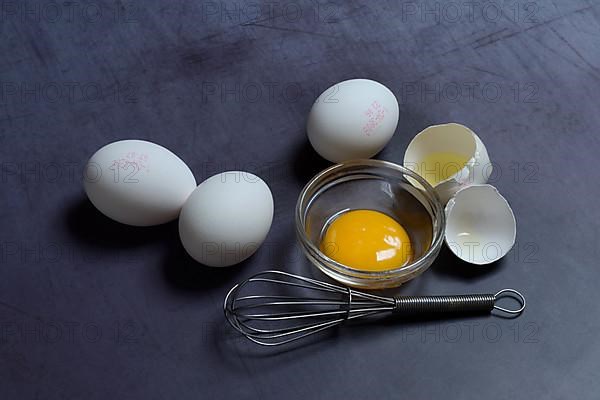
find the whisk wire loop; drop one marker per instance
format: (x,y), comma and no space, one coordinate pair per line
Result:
(512,293)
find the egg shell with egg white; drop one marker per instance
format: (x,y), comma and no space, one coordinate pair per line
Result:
(450,137)
(137,182)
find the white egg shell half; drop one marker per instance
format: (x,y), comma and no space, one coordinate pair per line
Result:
(456,138)
(480,225)
(352,119)
(226,218)
(136,182)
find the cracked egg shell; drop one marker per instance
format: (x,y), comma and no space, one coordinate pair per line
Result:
(480,225)
(469,166)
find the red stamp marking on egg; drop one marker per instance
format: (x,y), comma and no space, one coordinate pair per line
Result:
(126,168)
(375,115)
(140,159)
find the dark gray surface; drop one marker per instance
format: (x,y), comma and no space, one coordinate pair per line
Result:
(93,309)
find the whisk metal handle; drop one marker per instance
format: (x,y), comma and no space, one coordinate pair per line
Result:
(469,303)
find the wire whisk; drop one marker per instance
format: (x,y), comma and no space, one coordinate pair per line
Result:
(275,307)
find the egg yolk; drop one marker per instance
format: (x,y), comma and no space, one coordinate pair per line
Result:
(367,240)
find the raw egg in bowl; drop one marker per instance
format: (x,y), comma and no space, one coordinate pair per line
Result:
(364,224)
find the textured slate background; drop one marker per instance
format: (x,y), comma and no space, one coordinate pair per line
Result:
(92,309)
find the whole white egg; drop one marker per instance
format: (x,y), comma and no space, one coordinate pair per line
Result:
(136,182)
(226,218)
(352,119)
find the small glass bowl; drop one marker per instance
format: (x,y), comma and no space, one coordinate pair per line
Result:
(373,185)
